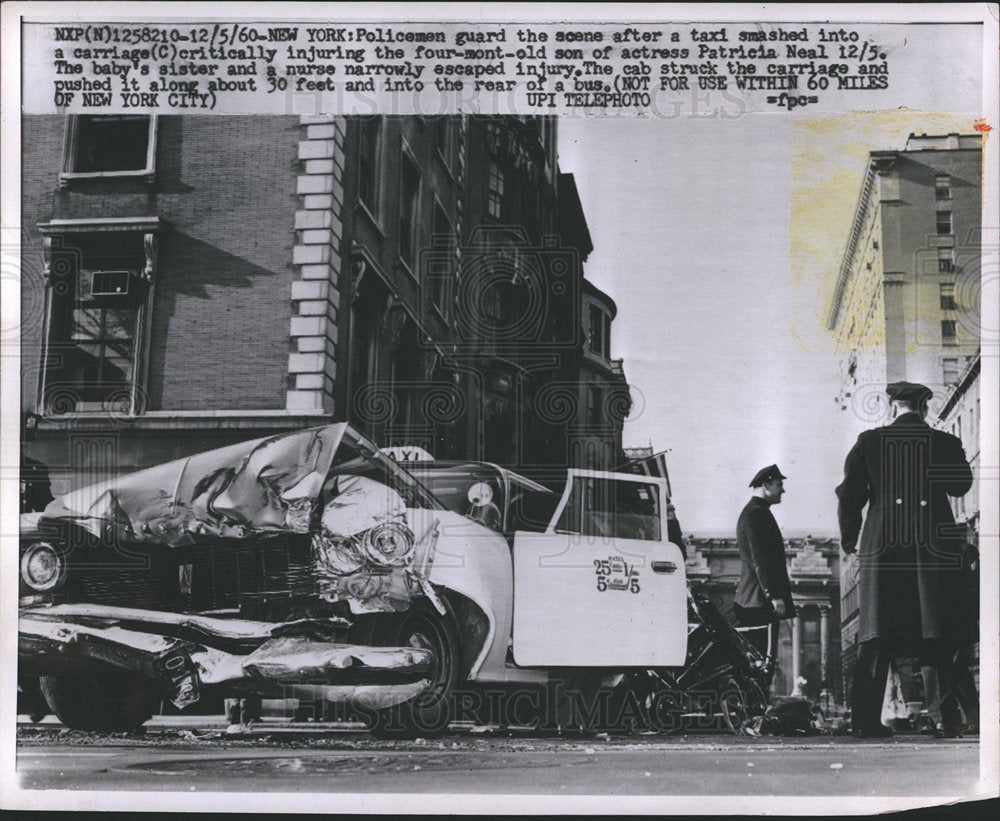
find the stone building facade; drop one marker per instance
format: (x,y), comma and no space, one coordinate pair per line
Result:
(905,305)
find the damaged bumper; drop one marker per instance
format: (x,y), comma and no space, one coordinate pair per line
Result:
(188,652)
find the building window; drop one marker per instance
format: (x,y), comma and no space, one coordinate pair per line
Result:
(443,240)
(494,195)
(409,204)
(944,222)
(946,263)
(948,332)
(444,139)
(942,187)
(594,405)
(948,296)
(109,145)
(949,370)
(599,336)
(368,163)
(98,304)
(596,335)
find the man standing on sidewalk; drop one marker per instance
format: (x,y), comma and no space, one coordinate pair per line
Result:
(763,594)
(910,557)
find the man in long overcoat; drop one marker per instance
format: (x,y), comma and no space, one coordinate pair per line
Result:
(910,556)
(763,593)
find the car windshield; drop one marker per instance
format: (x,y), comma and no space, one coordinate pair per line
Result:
(474,491)
(612,508)
(356,458)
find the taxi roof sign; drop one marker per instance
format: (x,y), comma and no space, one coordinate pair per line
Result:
(408,453)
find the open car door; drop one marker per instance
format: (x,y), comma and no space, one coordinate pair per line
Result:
(601,587)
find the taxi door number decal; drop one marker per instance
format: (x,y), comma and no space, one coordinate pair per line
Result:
(614,573)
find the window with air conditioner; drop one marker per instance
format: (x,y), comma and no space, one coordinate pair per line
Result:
(98,306)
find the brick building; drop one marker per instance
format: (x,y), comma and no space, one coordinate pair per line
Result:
(194,281)
(158,286)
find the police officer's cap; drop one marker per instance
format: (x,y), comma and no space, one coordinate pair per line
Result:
(909,391)
(768,474)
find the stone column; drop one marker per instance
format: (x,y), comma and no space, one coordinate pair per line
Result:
(824,615)
(315,298)
(796,652)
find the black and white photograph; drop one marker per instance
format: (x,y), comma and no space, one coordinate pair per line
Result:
(524,409)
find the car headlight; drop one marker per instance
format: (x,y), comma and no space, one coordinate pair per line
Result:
(389,544)
(42,567)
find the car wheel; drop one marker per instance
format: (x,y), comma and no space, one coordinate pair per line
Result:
(104,699)
(428,714)
(30,700)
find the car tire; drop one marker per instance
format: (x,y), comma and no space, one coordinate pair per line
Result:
(104,699)
(427,715)
(30,700)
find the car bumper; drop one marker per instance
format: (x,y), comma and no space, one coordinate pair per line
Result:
(189,652)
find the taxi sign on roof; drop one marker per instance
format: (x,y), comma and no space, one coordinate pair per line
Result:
(408,453)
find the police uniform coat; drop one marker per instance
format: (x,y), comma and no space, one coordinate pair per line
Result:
(910,551)
(764,575)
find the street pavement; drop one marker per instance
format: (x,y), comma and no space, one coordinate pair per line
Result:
(197,755)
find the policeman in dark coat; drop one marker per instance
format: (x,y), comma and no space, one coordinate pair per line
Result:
(763,594)
(910,565)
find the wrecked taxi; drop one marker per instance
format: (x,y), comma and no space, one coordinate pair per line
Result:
(311,566)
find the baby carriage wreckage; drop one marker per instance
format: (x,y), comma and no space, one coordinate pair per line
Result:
(312,566)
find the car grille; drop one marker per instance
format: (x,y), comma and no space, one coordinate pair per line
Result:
(255,576)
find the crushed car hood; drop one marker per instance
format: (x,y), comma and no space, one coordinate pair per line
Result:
(264,485)
(368,547)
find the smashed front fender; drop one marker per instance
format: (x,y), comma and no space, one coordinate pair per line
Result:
(53,646)
(61,639)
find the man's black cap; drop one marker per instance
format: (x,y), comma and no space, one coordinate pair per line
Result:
(768,474)
(909,391)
